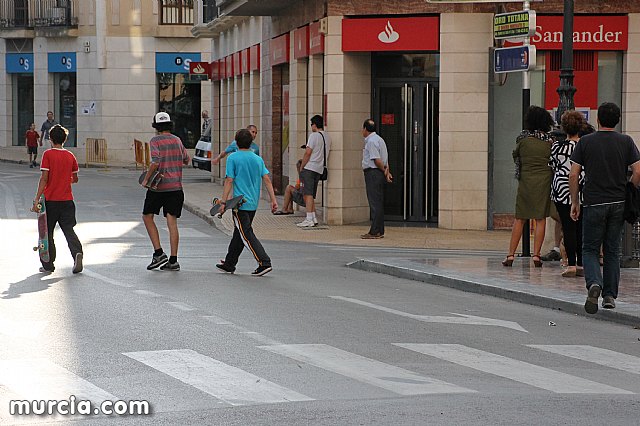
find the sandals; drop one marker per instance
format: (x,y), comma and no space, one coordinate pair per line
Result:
(537,263)
(280,213)
(508,261)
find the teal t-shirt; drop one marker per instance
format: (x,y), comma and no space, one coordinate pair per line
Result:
(233,147)
(246,169)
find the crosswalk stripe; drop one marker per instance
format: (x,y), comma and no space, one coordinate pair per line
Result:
(600,356)
(520,371)
(376,373)
(41,379)
(223,381)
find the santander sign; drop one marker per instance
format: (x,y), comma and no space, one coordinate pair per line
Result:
(589,33)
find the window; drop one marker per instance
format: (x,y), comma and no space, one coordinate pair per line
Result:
(176,12)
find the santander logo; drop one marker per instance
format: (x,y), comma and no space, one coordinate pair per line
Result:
(389,35)
(198,69)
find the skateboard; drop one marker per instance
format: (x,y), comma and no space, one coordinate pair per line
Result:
(231,204)
(154,179)
(43,234)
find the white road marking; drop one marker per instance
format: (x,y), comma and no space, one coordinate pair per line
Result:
(147,293)
(41,379)
(366,370)
(460,319)
(223,381)
(519,371)
(217,320)
(600,356)
(182,306)
(107,280)
(22,328)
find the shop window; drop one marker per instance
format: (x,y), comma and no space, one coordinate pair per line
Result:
(22,106)
(176,12)
(180,97)
(65,105)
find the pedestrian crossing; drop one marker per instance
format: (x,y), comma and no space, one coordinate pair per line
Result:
(223,384)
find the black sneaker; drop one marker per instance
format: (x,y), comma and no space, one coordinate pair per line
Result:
(552,256)
(225,268)
(77,265)
(608,302)
(262,270)
(45,270)
(591,305)
(170,266)
(158,261)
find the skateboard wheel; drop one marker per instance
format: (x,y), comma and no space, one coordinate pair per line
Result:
(39,206)
(42,246)
(35,249)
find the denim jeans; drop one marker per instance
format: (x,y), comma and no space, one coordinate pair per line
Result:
(602,226)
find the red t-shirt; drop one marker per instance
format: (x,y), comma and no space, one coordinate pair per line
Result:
(32,138)
(61,165)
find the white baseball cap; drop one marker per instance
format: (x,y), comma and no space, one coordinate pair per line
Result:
(161,117)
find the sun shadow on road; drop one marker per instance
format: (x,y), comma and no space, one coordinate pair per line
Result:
(31,284)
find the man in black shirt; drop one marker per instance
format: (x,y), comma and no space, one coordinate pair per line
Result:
(605,156)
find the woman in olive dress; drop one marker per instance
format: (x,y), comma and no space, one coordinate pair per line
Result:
(533,201)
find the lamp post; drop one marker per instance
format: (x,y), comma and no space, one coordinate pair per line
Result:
(566,90)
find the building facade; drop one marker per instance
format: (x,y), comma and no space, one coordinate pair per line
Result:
(423,72)
(104,67)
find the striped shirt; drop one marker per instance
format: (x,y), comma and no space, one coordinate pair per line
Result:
(169,154)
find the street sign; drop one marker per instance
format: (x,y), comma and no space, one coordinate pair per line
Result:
(200,69)
(514,59)
(514,24)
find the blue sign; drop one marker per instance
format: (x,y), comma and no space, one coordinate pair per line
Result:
(176,63)
(18,63)
(62,62)
(514,59)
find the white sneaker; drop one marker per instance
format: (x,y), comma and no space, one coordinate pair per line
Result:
(307,223)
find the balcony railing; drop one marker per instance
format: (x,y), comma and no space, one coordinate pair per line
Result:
(176,12)
(21,14)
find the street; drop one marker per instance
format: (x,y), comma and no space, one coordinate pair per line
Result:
(312,342)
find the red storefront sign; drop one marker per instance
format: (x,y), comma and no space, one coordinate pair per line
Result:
(390,34)
(279,48)
(301,42)
(237,70)
(254,58)
(244,61)
(200,68)
(229,66)
(316,39)
(214,71)
(589,33)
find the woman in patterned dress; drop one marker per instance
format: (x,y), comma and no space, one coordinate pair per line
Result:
(533,201)
(572,123)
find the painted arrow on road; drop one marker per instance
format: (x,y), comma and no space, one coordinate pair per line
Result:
(459,319)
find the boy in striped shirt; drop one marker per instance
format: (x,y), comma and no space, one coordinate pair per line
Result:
(167,156)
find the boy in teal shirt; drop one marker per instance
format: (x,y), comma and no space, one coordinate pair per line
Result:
(245,174)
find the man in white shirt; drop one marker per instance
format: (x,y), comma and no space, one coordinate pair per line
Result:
(375,164)
(313,163)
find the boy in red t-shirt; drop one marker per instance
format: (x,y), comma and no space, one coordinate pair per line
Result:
(59,170)
(31,138)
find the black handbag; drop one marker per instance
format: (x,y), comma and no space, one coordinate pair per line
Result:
(325,171)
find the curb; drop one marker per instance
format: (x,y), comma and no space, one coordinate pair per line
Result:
(529,298)
(204,215)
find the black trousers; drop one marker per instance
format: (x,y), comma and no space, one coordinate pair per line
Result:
(62,213)
(374,181)
(572,234)
(243,236)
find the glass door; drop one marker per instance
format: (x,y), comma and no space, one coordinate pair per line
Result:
(406,116)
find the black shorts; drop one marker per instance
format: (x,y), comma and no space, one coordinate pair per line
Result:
(309,180)
(32,150)
(171,203)
(297,197)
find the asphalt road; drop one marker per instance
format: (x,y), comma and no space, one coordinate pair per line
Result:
(310,343)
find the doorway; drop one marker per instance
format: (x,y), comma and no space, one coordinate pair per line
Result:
(407,115)
(22,107)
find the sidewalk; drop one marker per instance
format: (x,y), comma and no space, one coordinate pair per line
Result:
(479,274)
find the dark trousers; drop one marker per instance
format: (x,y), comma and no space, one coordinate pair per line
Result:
(62,213)
(602,226)
(243,236)
(572,234)
(374,181)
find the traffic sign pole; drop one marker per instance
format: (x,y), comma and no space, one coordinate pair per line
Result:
(526,102)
